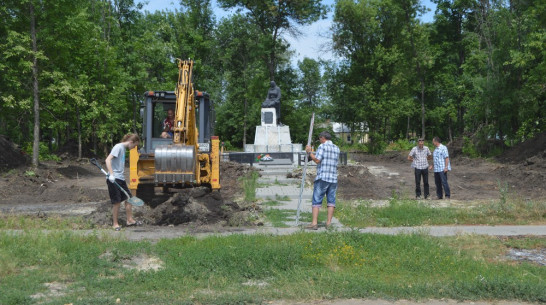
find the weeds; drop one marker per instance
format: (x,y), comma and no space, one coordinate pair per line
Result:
(217,270)
(250,183)
(271,203)
(278,218)
(282,198)
(55,222)
(415,213)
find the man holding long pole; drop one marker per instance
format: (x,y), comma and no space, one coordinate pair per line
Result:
(326,158)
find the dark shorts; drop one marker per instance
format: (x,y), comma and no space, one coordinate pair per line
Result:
(116,195)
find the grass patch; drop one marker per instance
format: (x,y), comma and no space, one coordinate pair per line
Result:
(282,198)
(54,222)
(250,183)
(276,182)
(415,213)
(222,270)
(278,218)
(271,203)
(308,217)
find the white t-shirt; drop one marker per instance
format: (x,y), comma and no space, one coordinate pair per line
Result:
(118,162)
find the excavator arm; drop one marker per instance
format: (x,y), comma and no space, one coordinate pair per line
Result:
(178,164)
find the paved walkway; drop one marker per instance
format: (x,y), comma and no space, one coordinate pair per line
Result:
(286,191)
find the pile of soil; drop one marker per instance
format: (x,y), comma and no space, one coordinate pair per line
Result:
(11,156)
(194,206)
(230,172)
(534,149)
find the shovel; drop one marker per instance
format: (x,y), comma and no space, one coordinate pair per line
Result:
(131,199)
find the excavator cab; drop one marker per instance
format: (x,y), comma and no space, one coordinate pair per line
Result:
(191,157)
(154,112)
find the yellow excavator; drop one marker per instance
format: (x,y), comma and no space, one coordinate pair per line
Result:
(190,155)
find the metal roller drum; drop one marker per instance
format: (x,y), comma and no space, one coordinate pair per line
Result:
(174,164)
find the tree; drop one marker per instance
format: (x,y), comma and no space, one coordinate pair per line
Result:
(374,82)
(242,75)
(311,87)
(273,18)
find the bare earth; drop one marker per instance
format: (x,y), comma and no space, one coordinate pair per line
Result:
(78,188)
(379,177)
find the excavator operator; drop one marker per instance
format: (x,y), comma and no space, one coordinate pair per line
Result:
(168,125)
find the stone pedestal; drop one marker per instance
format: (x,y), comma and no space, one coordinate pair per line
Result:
(272,138)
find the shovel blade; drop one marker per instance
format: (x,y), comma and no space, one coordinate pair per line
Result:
(136,201)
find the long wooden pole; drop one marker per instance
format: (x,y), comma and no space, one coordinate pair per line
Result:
(305,168)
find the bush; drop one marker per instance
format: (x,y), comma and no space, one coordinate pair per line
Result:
(376,145)
(469,149)
(44,154)
(401,145)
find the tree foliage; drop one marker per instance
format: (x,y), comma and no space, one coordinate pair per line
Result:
(477,68)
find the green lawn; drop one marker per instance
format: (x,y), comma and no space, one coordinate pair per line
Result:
(242,269)
(415,213)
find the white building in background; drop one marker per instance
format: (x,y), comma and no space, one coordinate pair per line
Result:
(343,131)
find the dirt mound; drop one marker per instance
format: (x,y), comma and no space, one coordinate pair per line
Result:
(196,206)
(230,172)
(11,156)
(533,148)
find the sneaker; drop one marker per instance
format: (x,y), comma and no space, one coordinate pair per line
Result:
(418,197)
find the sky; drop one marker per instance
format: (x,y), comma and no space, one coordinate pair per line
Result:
(313,43)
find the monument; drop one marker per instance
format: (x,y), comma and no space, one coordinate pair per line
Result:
(273,100)
(272,136)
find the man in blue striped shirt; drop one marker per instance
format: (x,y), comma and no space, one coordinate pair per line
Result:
(441,167)
(326,158)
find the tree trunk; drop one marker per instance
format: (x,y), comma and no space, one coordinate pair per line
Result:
(449,131)
(79,126)
(418,70)
(244,123)
(407,129)
(422,79)
(36,143)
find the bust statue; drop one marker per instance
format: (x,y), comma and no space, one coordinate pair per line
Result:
(273,99)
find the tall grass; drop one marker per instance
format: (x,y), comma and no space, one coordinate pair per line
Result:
(250,183)
(53,222)
(252,269)
(415,213)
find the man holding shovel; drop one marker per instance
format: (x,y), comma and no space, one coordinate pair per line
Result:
(115,163)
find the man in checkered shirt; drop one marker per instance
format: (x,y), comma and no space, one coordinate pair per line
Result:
(419,156)
(326,158)
(441,167)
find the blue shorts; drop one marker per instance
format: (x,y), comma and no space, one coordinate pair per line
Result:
(322,188)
